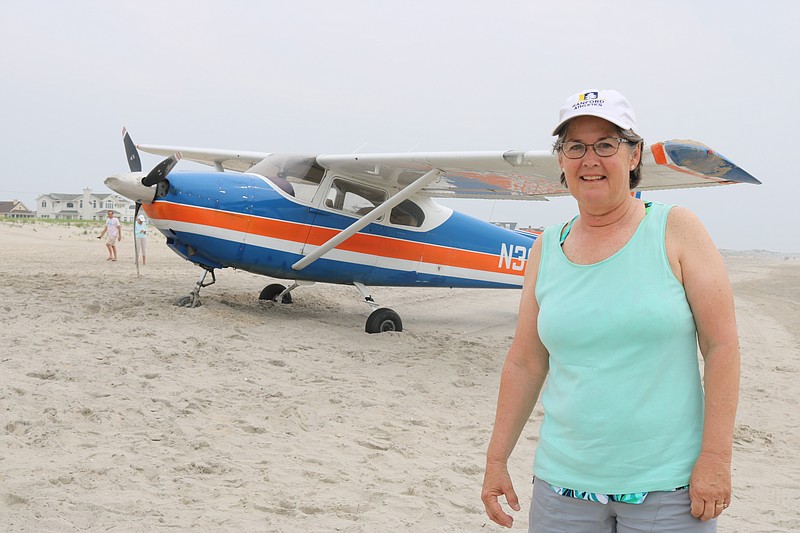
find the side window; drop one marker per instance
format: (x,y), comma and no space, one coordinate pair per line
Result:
(407,213)
(353,198)
(305,191)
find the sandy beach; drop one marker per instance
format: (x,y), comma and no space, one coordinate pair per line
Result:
(121,412)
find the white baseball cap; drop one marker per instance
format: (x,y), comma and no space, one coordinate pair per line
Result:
(607,104)
(141,218)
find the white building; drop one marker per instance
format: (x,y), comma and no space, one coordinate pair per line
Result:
(86,206)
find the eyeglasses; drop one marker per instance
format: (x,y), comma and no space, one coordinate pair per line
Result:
(603,148)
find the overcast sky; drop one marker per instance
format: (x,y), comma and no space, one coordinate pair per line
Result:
(344,76)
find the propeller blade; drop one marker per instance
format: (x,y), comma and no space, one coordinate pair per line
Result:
(135,240)
(134,162)
(161,170)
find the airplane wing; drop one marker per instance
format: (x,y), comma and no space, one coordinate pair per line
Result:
(499,175)
(533,175)
(220,159)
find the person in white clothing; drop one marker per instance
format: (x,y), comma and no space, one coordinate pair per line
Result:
(114,232)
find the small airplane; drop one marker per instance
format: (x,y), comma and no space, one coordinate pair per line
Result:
(366,219)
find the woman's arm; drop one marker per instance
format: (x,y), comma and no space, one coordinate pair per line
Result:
(523,375)
(702,271)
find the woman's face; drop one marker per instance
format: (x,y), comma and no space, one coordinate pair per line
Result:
(597,183)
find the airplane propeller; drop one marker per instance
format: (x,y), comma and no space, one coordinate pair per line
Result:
(160,171)
(135,164)
(154,177)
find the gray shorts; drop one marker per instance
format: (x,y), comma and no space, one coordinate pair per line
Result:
(665,512)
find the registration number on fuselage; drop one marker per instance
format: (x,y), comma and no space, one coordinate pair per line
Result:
(513,257)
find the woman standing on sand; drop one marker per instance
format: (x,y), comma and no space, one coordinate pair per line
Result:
(613,307)
(140,236)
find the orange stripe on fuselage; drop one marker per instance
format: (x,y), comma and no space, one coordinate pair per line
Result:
(407,250)
(318,235)
(198,215)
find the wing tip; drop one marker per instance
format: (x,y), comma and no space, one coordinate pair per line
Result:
(699,158)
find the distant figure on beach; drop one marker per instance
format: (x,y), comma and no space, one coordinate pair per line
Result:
(613,308)
(114,234)
(140,234)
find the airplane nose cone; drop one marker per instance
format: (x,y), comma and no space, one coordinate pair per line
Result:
(130,186)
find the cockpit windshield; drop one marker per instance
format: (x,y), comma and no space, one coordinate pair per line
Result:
(296,175)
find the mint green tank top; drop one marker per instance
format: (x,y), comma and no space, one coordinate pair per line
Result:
(623,401)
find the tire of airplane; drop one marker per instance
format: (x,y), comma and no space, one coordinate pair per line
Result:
(272,291)
(383,319)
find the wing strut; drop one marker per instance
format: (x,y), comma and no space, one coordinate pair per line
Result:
(369,218)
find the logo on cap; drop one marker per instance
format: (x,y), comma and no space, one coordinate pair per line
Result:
(590,99)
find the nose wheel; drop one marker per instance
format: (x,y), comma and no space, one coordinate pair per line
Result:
(193,298)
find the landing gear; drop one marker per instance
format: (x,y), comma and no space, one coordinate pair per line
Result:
(275,290)
(382,318)
(193,298)
(190,300)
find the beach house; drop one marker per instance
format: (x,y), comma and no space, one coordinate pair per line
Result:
(86,206)
(15,209)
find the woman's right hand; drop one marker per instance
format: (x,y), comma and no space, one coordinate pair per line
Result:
(496,483)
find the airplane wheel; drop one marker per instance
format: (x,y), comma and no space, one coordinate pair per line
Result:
(383,319)
(188,301)
(271,292)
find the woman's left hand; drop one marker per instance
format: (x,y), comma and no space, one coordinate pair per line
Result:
(710,486)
